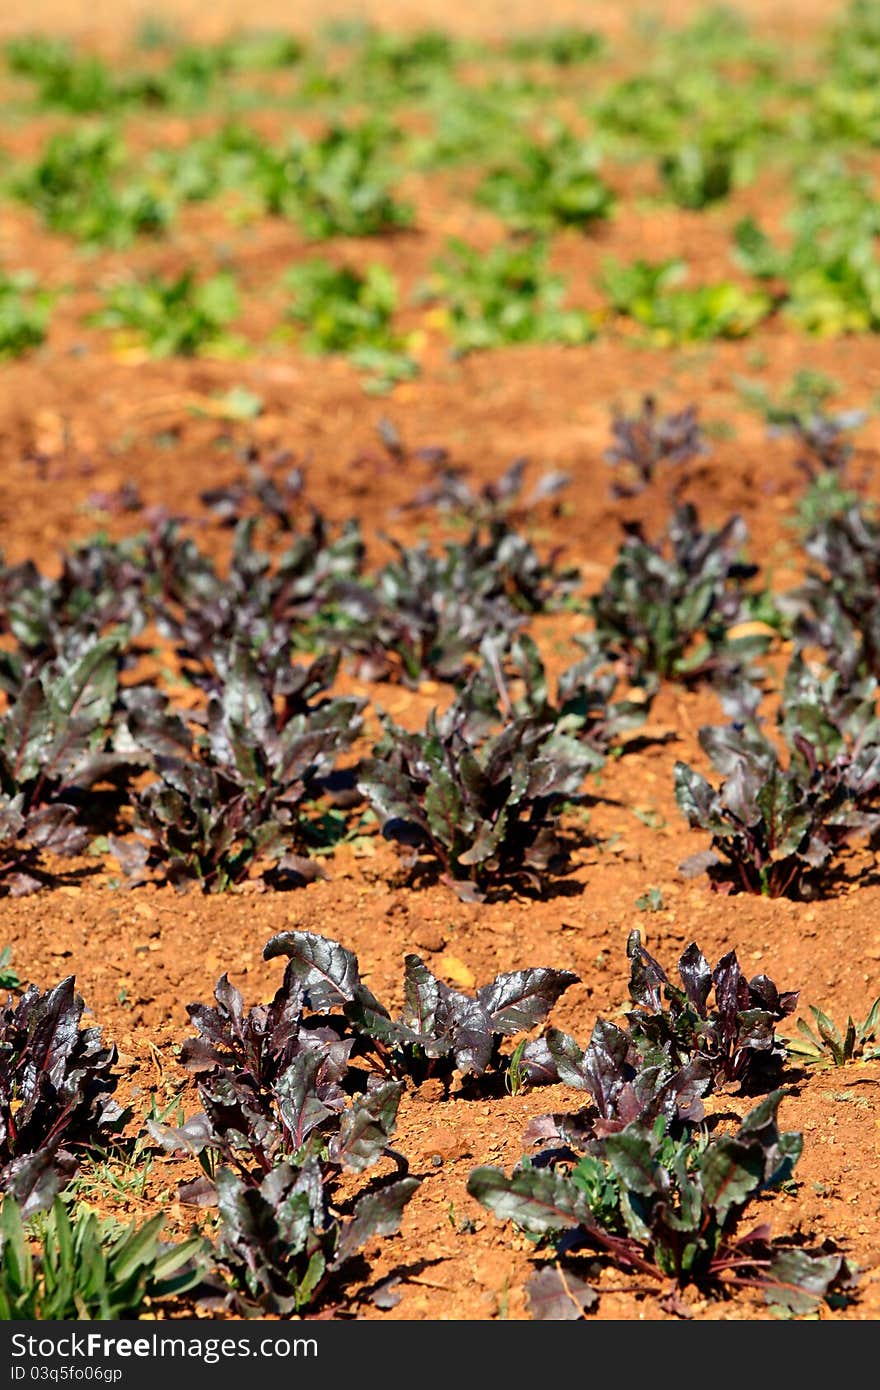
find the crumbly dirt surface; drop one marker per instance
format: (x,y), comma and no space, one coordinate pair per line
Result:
(78,418)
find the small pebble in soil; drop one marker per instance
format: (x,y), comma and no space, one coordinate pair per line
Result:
(431,1090)
(429,937)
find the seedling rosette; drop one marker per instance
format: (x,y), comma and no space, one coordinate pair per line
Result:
(56,742)
(282,1242)
(484,807)
(779,826)
(231,799)
(439,1028)
(681,607)
(56,1088)
(645,442)
(715,1030)
(826,1046)
(670,1210)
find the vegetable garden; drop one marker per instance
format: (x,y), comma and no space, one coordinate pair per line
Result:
(439,661)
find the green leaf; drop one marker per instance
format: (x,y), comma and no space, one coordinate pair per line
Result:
(632,1159)
(731,1171)
(537,1200)
(798,1280)
(366,1127)
(375,1214)
(135,1248)
(17,1263)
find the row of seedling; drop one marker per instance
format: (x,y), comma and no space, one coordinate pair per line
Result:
(302,1093)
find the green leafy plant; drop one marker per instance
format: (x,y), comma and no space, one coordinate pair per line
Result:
(842,111)
(82,83)
(563,45)
(651,901)
(829,292)
(24,315)
(82,186)
(87,1268)
(649,109)
(683,102)
(339,184)
(829,273)
(260,50)
(697,173)
(854,46)
(827,1046)
(845,105)
(9,978)
(343,310)
(233,158)
(472,128)
(552,184)
(180,317)
(503,297)
(189,77)
(388,67)
(77,82)
(648,293)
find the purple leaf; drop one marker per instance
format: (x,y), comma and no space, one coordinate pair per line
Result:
(557,1295)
